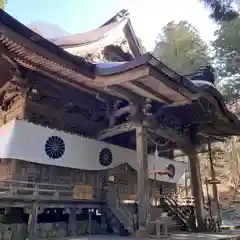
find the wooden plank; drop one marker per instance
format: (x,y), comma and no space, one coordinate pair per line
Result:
(118,79)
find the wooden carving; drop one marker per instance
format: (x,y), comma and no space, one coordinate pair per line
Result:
(62,107)
(8,93)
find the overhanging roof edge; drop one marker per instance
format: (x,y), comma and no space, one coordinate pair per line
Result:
(36,39)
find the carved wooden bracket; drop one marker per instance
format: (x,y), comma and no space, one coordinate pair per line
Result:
(110,107)
(17,87)
(165,125)
(116,130)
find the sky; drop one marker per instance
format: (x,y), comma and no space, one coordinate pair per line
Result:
(147,16)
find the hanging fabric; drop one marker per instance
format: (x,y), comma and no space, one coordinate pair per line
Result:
(156,153)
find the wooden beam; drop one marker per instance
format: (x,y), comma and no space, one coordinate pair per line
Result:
(147,91)
(121,79)
(124,93)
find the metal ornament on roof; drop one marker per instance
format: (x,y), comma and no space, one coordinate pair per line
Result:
(206,73)
(54,147)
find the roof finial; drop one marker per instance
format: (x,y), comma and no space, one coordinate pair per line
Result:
(118,17)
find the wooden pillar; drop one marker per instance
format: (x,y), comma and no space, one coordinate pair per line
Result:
(186,182)
(13,175)
(14,169)
(216,210)
(143,180)
(32,221)
(90,211)
(72,222)
(196,186)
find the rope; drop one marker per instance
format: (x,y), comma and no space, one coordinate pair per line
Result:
(157,144)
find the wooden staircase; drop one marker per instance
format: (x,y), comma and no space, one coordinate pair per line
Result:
(118,217)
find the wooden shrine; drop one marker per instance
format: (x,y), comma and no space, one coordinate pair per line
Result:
(135,104)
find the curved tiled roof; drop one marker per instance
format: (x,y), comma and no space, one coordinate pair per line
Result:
(87,37)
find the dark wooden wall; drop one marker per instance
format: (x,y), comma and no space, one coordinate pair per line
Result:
(125,178)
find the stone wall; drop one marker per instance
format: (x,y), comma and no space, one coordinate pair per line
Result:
(47,230)
(13,231)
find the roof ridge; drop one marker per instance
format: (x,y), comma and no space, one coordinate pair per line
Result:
(121,15)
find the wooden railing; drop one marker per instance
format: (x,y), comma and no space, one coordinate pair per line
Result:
(184,201)
(34,190)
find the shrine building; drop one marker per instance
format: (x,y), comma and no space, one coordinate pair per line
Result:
(89,124)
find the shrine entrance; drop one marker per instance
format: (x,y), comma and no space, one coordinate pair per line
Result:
(184,125)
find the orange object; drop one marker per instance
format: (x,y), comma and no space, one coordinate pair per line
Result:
(160,172)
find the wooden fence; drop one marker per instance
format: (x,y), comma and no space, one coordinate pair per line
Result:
(10,189)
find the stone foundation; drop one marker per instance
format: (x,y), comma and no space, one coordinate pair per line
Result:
(13,231)
(47,230)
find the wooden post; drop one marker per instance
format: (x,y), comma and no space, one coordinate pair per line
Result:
(158,228)
(13,175)
(32,221)
(186,182)
(196,185)
(89,221)
(208,199)
(143,181)
(214,185)
(72,222)
(14,169)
